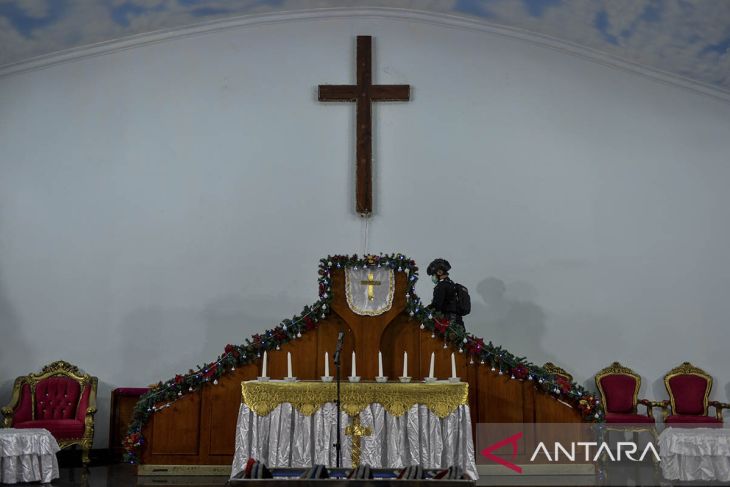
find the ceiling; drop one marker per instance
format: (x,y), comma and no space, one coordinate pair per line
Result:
(686,38)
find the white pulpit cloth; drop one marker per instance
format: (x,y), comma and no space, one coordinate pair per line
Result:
(695,453)
(27,455)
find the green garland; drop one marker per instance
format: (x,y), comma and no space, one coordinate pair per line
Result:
(501,361)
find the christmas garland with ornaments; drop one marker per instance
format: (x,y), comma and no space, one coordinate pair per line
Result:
(164,394)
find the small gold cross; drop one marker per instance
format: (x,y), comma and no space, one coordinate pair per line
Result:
(370,283)
(357,431)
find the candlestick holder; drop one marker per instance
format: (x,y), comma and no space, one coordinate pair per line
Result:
(327,378)
(290,379)
(429,380)
(354,378)
(263,379)
(454,380)
(404,379)
(381,378)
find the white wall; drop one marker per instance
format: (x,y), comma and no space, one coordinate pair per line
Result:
(159,202)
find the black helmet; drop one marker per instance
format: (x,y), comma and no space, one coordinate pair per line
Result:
(438,264)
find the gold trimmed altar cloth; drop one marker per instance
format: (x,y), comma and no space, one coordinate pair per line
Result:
(441,398)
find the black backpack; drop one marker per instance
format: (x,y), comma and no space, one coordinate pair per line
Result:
(463,301)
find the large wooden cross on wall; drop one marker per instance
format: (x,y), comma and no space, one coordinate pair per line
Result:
(363,93)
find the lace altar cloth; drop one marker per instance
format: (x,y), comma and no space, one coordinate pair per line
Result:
(27,455)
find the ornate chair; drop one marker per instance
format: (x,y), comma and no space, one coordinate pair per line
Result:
(689,391)
(59,398)
(619,387)
(559,371)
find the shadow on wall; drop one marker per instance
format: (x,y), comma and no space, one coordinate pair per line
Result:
(510,319)
(233,318)
(14,349)
(156,342)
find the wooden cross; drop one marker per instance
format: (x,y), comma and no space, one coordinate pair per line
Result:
(357,431)
(363,93)
(370,283)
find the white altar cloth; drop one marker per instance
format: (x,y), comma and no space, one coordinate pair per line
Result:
(695,453)
(287,438)
(27,455)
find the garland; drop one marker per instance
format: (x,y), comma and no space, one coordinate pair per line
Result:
(164,394)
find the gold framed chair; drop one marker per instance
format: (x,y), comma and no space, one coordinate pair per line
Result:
(60,398)
(689,390)
(559,371)
(619,387)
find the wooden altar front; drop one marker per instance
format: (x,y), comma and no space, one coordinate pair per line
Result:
(199,428)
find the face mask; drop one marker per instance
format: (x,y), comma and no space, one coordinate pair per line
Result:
(434,279)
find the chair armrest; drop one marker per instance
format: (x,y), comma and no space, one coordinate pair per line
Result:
(90,411)
(7,416)
(9,410)
(719,406)
(650,405)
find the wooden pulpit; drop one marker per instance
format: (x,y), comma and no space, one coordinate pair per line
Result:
(199,428)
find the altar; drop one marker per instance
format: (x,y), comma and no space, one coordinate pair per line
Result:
(383,425)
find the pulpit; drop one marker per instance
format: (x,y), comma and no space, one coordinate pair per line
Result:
(369,304)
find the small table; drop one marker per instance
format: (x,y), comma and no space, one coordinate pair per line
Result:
(384,425)
(27,455)
(695,453)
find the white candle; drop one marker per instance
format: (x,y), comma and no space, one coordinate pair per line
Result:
(288,364)
(430,370)
(263,371)
(453,366)
(326,364)
(380,364)
(354,368)
(405,364)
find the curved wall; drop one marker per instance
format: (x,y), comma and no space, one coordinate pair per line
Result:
(160,201)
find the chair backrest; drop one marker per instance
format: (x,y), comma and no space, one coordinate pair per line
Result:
(689,390)
(619,387)
(56,398)
(559,371)
(59,391)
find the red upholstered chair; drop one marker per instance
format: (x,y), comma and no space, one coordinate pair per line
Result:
(59,398)
(689,391)
(619,387)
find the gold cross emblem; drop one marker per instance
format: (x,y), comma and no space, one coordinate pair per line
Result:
(357,431)
(370,283)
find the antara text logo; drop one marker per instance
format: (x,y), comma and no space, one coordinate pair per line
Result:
(571,451)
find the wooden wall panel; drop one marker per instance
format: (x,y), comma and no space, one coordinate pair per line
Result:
(200,427)
(303,356)
(176,430)
(220,406)
(400,336)
(442,357)
(327,333)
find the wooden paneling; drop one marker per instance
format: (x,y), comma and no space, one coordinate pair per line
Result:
(200,428)
(220,408)
(303,356)
(176,431)
(122,407)
(397,338)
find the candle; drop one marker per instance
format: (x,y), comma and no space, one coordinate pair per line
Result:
(288,364)
(380,364)
(430,370)
(263,372)
(453,366)
(405,364)
(354,368)
(327,364)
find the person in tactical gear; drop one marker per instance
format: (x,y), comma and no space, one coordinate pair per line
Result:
(445,292)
